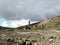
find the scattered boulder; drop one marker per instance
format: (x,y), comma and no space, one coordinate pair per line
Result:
(10,40)
(50,41)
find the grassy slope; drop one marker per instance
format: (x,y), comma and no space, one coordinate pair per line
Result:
(54,23)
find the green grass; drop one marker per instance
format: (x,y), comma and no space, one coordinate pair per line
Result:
(58,29)
(33,40)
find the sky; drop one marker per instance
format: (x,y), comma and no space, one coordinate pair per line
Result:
(15,13)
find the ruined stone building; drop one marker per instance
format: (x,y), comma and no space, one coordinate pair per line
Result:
(31,26)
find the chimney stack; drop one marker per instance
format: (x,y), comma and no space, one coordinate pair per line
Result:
(29,24)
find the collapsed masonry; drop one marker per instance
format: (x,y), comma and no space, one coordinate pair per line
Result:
(36,25)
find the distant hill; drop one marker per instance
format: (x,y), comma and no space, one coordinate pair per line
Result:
(52,22)
(6,28)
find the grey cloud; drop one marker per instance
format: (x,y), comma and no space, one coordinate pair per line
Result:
(29,9)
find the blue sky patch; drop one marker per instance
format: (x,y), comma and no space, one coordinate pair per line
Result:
(1,21)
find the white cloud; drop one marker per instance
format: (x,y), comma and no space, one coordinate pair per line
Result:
(16,23)
(4,24)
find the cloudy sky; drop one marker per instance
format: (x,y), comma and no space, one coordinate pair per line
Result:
(15,13)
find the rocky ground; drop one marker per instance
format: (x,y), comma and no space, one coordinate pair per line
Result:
(39,37)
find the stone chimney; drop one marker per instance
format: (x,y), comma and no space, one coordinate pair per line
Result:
(29,24)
